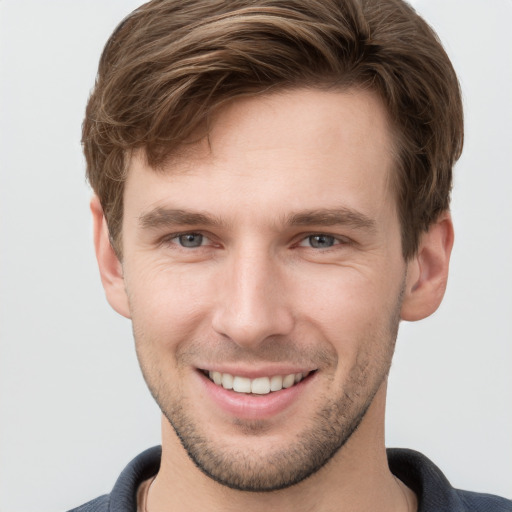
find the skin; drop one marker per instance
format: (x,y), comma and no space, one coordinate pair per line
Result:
(259,296)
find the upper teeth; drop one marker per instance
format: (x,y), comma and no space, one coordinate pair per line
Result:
(259,386)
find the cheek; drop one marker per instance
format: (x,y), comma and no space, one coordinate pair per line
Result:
(343,304)
(343,293)
(167,303)
(352,310)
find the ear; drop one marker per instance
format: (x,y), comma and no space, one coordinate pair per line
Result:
(111,270)
(427,271)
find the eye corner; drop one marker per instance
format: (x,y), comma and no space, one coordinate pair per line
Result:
(322,241)
(190,240)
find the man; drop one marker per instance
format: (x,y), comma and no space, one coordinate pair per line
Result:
(272,187)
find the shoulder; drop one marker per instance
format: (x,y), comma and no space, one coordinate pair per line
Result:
(123,497)
(434,492)
(97,505)
(477,502)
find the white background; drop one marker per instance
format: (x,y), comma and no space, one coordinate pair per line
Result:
(73,407)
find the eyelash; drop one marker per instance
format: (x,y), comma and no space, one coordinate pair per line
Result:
(336,241)
(173,239)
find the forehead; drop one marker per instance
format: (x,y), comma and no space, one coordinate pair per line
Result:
(275,152)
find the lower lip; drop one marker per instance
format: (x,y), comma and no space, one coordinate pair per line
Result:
(254,407)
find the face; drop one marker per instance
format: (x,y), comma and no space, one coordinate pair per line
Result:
(264,278)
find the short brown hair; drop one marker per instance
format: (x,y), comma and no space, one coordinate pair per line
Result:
(170,63)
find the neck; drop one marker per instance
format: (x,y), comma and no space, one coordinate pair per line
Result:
(356,479)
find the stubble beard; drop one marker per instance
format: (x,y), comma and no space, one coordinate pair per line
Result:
(250,470)
(327,432)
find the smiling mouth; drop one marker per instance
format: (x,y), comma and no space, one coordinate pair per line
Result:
(258,386)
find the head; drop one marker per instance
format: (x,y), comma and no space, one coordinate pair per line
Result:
(273,183)
(170,65)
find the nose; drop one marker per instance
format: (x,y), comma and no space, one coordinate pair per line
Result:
(252,301)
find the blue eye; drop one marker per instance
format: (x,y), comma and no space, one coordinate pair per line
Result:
(190,240)
(321,241)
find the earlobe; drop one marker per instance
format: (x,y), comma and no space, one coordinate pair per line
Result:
(111,270)
(427,271)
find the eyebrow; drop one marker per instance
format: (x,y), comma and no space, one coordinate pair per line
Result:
(332,217)
(161,217)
